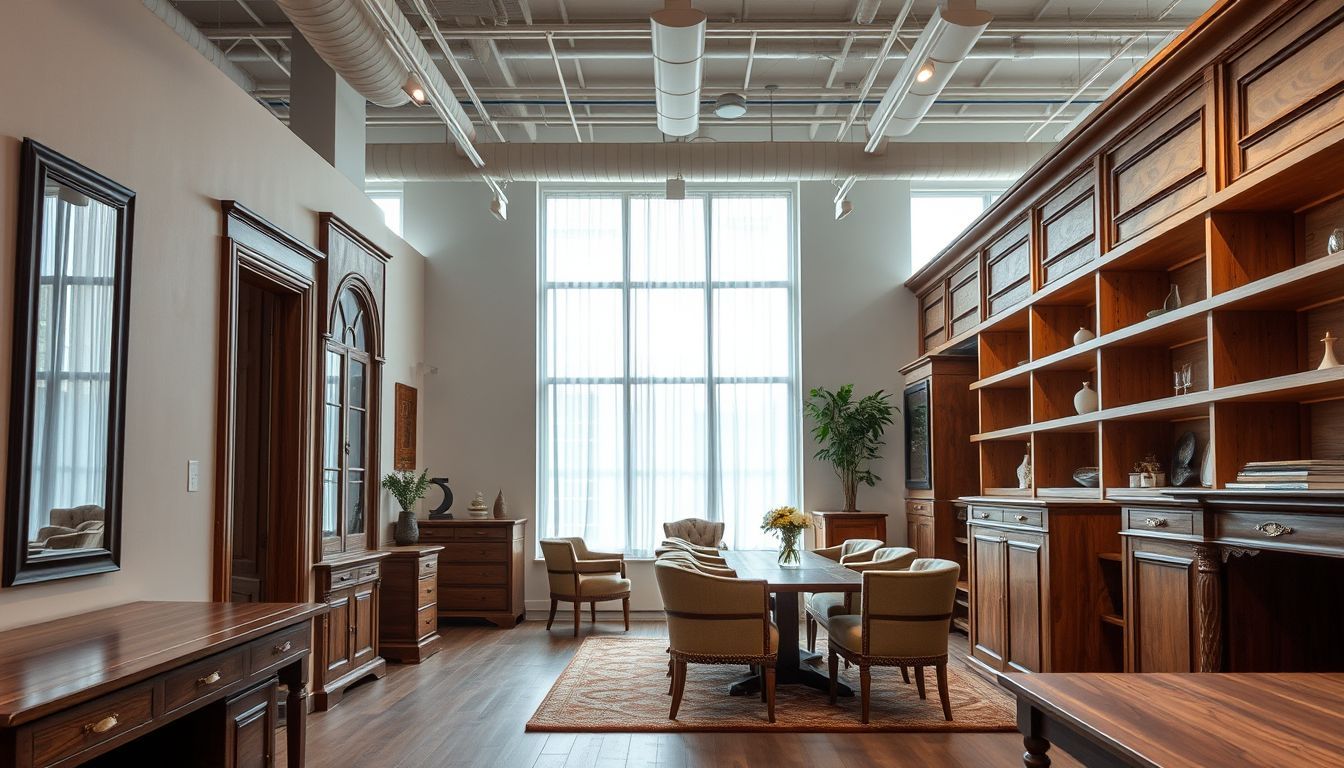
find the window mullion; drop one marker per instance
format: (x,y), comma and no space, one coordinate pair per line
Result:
(711,403)
(627,404)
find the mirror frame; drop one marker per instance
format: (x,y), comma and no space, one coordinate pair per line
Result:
(38,164)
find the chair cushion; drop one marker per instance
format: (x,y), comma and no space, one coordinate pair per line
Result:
(847,631)
(824,605)
(598,584)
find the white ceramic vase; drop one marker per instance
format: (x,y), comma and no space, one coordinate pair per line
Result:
(1024,472)
(1328,359)
(1085,400)
(1083,335)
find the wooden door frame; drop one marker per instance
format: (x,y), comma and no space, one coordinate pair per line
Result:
(267,256)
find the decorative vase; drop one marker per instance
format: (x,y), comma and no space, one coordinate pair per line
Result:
(1335,243)
(788,549)
(1088,477)
(1085,400)
(407,530)
(1024,472)
(1135,479)
(477,508)
(1083,336)
(1206,467)
(1328,359)
(1173,300)
(501,509)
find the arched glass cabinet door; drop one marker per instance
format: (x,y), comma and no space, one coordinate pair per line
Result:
(345,429)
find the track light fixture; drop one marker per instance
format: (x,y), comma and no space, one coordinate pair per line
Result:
(416,91)
(499,207)
(925,72)
(843,207)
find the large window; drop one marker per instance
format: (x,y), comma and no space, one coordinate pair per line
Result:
(389,201)
(936,218)
(668,360)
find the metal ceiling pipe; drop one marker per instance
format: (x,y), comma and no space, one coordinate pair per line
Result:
(188,31)
(705,162)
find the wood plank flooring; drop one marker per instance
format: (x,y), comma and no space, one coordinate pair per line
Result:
(466,708)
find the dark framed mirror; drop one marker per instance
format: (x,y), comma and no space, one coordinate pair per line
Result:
(918,450)
(68,378)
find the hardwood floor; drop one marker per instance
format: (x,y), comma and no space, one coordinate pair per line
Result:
(467,705)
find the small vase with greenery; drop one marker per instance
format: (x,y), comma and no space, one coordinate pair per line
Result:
(849,432)
(407,488)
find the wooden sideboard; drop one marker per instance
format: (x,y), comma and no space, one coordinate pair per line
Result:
(346,650)
(1234,581)
(408,622)
(151,680)
(837,527)
(480,568)
(1040,597)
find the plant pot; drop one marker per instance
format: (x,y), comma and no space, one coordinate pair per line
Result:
(407,531)
(1135,479)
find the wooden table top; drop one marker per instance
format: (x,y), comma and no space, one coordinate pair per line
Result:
(50,666)
(1171,720)
(814,574)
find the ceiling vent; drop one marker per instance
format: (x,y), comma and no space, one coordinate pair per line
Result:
(678,32)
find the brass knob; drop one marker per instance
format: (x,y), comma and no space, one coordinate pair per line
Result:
(104,725)
(1155,522)
(283,647)
(1273,529)
(209,679)
(1021,518)
(982,515)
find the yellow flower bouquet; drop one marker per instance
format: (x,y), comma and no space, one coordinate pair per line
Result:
(787,523)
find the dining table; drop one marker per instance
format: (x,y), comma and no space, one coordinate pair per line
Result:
(813,573)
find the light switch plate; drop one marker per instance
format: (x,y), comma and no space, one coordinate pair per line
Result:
(193,476)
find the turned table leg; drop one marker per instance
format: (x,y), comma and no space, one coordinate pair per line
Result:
(295,677)
(1035,756)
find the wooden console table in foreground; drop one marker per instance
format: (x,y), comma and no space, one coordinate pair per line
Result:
(1170,720)
(161,683)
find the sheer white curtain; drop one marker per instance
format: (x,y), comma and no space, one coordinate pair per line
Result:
(73,365)
(668,366)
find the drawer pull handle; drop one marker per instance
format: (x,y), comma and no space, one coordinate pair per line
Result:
(982,515)
(1155,522)
(104,725)
(1020,518)
(282,648)
(1273,529)
(209,679)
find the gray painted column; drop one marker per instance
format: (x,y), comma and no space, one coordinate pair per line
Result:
(326,112)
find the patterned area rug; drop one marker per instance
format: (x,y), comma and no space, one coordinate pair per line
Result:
(619,684)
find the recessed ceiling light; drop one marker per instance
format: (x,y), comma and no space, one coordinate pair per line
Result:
(730,106)
(925,72)
(415,90)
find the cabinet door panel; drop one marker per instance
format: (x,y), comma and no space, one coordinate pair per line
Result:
(1023,562)
(365,624)
(338,632)
(933,317)
(987,597)
(1161,613)
(251,728)
(1008,267)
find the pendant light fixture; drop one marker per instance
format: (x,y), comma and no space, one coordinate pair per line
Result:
(678,33)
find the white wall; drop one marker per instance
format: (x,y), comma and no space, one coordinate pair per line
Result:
(479,410)
(133,101)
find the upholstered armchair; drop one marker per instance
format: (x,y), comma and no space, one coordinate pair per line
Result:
(903,622)
(579,575)
(853,549)
(702,554)
(715,620)
(696,531)
(699,565)
(673,542)
(72,528)
(821,606)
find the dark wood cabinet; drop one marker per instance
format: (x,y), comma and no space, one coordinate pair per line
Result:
(837,527)
(250,725)
(480,568)
(919,530)
(409,616)
(347,638)
(1038,588)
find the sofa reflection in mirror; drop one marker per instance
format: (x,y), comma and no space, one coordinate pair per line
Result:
(72,528)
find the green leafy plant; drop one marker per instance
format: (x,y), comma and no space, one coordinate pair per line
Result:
(849,432)
(406,487)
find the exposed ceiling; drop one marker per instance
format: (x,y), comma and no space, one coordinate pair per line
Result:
(1026,68)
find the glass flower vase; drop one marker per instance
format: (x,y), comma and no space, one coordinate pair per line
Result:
(788,549)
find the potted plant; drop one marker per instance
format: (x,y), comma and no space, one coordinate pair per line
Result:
(407,488)
(849,432)
(788,524)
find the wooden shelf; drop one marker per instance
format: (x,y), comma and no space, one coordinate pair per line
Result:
(1112,557)
(961,624)
(960,539)
(963,603)
(1113,620)
(964,586)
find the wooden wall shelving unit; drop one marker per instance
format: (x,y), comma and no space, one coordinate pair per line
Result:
(1218,169)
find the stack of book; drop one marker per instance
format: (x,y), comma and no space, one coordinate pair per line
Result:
(1300,475)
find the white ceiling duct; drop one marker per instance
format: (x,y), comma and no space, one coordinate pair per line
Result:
(705,162)
(188,31)
(678,50)
(944,43)
(866,11)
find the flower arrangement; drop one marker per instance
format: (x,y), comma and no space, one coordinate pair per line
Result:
(787,523)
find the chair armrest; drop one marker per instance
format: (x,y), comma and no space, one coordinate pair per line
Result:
(600,566)
(830,553)
(868,565)
(604,556)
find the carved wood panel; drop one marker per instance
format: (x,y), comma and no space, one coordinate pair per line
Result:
(1161,168)
(933,316)
(1286,86)
(1068,229)
(1008,267)
(963,291)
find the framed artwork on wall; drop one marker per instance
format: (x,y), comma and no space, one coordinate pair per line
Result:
(403,452)
(918,459)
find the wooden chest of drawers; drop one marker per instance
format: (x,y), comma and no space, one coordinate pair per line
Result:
(408,624)
(837,527)
(347,642)
(480,568)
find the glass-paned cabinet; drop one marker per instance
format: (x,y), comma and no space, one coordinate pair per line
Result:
(347,491)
